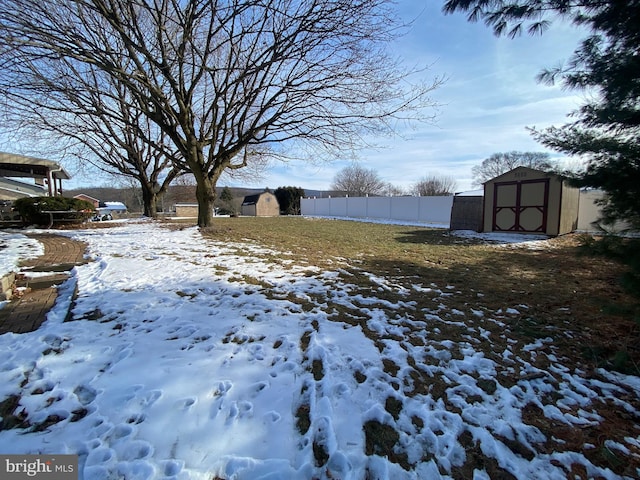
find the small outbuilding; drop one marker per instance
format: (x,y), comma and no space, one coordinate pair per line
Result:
(88,198)
(186,210)
(525,200)
(263,204)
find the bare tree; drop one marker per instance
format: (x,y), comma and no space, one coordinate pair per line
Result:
(434,185)
(130,149)
(391,190)
(224,79)
(357,181)
(100,123)
(500,163)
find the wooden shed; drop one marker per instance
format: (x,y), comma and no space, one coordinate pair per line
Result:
(525,200)
(263,204)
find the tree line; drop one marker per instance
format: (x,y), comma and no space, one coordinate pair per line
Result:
(358,181)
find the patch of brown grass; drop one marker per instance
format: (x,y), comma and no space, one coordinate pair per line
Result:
(568,295)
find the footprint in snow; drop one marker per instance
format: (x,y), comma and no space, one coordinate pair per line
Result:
(186,403)
(101,428)
(34,373)
(42,386)
(233,413)
(256,388)
(256,352)
(222,388)
(245,409)
(121,354)
(85,394)
(102,456)
(90,445)
(130,393)
(172,467)
(54,341)
(216,408)
(137,418)
(152,397)
(239,410)
(272,416)
(341,389)
(282,368)
(219,392)
(120,432)
(134,450)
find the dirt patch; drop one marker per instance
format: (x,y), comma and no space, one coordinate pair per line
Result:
(12,416)
(381,439)
(303,418)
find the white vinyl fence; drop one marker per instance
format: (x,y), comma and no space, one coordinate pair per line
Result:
(428,210)
(434,211)
(590,211)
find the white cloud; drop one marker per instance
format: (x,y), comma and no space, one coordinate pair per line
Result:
(489,99)
(491,96)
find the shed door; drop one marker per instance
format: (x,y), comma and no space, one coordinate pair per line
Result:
(521,206)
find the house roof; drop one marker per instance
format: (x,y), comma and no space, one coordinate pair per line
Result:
(82,195)
(14,165)
(26,189)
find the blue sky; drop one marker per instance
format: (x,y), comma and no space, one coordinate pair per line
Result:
(488,100)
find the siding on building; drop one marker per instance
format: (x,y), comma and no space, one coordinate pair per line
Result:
(188,210)
(264,204)
(525,200)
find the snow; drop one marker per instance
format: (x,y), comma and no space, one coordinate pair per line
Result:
(15,247)
(471,193)
(529,240)
(188,358)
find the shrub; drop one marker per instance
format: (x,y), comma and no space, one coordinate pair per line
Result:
(31,208)
(289,199)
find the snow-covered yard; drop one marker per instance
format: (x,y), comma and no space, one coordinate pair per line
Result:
(193,359)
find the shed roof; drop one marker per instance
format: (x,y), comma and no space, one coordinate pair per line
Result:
(252,199)
(523,169)
(533,171)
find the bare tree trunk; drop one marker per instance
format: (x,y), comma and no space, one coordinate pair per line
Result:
(149,201)
(206,196)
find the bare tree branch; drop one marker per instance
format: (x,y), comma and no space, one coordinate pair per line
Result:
(358,181)
(434,185)
(223,77)
(500,163)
